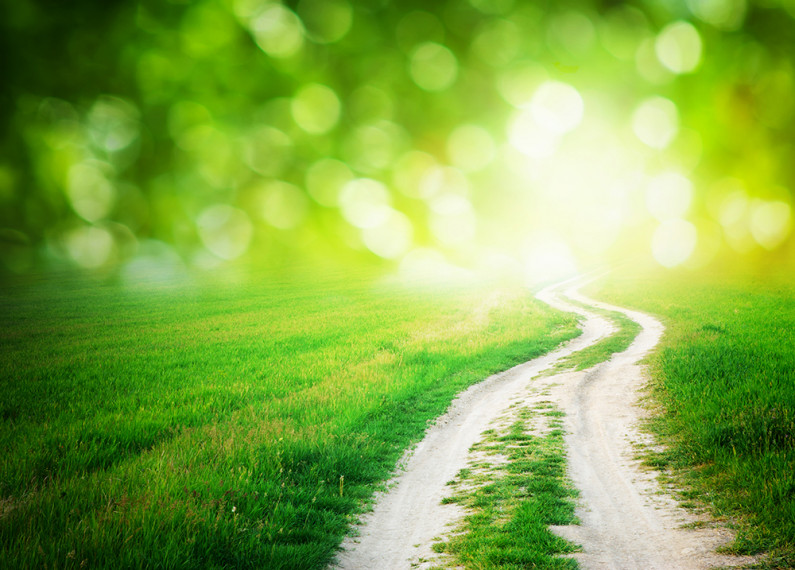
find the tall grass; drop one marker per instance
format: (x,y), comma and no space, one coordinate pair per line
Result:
(725,376)
(221,426)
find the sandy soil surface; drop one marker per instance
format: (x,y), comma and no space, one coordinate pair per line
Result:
(627,519)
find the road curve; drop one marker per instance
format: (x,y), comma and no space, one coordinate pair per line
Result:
(625,521)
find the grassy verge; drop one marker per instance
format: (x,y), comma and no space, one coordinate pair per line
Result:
(511,505)
(218,426)
(725,380)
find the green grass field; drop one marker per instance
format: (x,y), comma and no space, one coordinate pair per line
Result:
(725,381)
(218,426)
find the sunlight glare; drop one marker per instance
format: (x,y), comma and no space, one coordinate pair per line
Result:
(453,220)
(547,257)
(558,107)
(427,265)
(668,196)
(531,139)
(673,242)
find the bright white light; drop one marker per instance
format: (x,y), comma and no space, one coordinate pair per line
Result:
(558,107)
(548,257)
(673,242)
(668,195)
(453,220)
(427,265)
(530,138)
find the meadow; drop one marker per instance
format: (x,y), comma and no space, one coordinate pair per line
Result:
(724,393)
(228,423)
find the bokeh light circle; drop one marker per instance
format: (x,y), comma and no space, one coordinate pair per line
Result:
(315,108)
(656,122)
(557,106)
(325,180)
(723,14)
(326,21)
(282,205)
(770,222)
(678,47)
(278,31)
(391,238)
(90,193)
(224,230)
(433,67)
(365,203)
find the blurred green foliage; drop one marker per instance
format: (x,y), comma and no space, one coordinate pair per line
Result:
(151,134)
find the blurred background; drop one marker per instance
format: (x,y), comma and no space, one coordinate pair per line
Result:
(527,137)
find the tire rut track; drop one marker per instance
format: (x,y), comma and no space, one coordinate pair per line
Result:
(627,521)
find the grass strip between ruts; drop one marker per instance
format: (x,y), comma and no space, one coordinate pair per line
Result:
(510,505)
(625,331)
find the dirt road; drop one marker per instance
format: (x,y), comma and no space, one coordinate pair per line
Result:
(627,520)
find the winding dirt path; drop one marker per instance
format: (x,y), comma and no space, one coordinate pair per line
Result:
(627,520)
